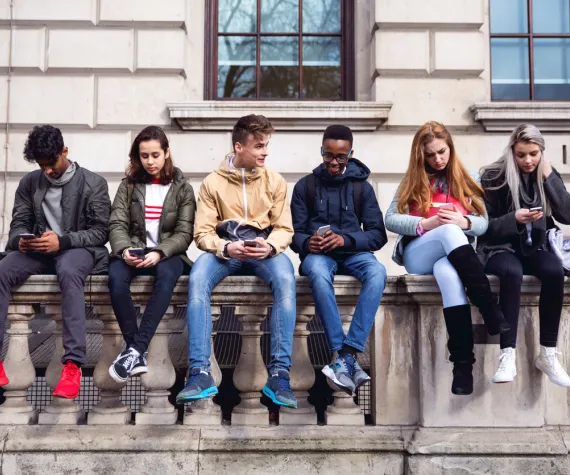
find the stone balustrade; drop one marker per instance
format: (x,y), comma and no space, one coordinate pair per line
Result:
(411,375)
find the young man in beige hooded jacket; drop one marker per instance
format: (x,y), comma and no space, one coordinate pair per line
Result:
(244,224)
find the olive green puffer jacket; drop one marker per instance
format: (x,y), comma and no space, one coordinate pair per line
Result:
(127,226)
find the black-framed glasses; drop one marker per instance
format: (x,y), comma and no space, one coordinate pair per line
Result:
(340,158)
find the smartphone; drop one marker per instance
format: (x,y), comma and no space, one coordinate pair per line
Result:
(323,229)
(27,236)
(137,252)
(249,243)
(537,208)
(446,206)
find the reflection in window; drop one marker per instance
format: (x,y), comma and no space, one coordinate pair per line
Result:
(280,49)
(530,49)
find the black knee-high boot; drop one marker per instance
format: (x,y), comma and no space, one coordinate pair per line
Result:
(472,275)
(460,345)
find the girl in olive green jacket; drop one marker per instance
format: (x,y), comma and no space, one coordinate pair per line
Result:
(150,230)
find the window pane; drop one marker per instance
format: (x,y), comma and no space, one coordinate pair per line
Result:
(510,70)
(279,16)
(236,66)
(552,69)
(551,16)
(321,67)
(509,16)
(321,16)
(280,67)
(237,16)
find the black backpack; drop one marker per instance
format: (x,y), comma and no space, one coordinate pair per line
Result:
(357,191)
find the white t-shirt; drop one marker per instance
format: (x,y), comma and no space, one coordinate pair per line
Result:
(155,195)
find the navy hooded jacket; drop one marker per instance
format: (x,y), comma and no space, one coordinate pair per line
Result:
(334,205)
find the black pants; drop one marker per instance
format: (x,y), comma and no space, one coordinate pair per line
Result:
(166,274)
(510,269)
(72,268)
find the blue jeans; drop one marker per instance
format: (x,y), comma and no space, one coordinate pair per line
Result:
(208,271)
(427,255)
(365,267)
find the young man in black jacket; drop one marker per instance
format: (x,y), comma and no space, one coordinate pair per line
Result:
(59,225)
(338,225)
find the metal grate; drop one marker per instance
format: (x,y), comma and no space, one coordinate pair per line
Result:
(364,398)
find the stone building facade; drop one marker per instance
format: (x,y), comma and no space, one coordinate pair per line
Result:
(103,69)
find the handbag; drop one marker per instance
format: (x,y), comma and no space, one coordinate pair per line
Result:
(559,246)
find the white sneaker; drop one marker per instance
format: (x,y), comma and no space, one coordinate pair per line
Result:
(507,366)
(548,363)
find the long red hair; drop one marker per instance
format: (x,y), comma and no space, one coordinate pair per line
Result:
(415,187)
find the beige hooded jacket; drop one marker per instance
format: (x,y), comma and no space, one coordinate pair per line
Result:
(256,197)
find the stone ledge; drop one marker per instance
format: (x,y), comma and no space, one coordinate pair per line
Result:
(505,116)
(293,115)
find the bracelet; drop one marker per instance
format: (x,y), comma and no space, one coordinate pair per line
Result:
(420,231)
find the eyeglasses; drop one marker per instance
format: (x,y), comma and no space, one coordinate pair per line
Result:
(340,158)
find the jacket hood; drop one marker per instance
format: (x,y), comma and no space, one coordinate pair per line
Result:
(355,170)
(235,174)
(178,175)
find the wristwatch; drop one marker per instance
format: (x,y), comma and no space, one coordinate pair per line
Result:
(273,251)
(469,223)
(225,250)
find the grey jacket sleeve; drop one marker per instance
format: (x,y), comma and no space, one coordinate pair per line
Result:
(479,224)
(96,232)
(399,223)
(558,197)
(23,218)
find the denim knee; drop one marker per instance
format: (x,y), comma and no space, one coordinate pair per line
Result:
(376,276)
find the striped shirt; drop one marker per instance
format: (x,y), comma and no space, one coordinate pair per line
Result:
(155,195)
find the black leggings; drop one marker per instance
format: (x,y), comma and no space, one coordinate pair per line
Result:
(510,269)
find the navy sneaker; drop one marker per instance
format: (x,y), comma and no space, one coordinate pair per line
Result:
(200,385)
(340,373)
(278,389)
(360,376)
(141,366)
(121,368)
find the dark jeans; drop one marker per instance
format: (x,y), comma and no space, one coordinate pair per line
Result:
(72,268)
(166,274)
(510,269)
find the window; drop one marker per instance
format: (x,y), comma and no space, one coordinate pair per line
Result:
(530,50)
(280,50)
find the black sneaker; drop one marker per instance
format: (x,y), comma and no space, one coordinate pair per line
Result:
(121,368)
(141,366)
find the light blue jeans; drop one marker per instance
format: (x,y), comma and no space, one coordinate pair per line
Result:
(427,255)
(208,271)
(321,270)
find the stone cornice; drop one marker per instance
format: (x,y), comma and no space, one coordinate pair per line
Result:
(505,116)
(284,115)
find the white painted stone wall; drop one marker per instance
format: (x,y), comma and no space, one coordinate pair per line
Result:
(101,70)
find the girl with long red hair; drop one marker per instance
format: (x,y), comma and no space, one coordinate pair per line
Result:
(438,211)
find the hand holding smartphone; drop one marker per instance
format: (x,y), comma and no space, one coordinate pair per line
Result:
(537,209)
(250,243)
(323,230)
(137,252)
(27,236)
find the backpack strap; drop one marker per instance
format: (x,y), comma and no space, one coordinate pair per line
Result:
(357,193)
(311,190)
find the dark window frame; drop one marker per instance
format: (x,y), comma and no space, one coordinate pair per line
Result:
(530,36)
(347,54)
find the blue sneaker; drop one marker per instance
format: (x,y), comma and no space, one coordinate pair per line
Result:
(200,385)
(340,373)
(278,389)
(360,376)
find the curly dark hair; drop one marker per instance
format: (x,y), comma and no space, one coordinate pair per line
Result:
(45,142)
(135,171)
(252,124)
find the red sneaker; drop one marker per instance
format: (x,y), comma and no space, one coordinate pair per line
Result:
(3,378)
(70,381)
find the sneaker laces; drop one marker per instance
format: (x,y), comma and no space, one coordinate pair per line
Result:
(284,382)
(193,377)
(504,359)
(349,362)
(70,371)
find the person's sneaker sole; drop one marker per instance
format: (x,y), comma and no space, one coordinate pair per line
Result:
(558,383)
(503,380)
(204,394)
(115,376)
(329,373)
(139,370)
(271,395)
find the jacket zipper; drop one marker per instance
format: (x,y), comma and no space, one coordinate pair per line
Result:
(244,192)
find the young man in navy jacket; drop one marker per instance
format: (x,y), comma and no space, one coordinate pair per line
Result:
(338,225)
